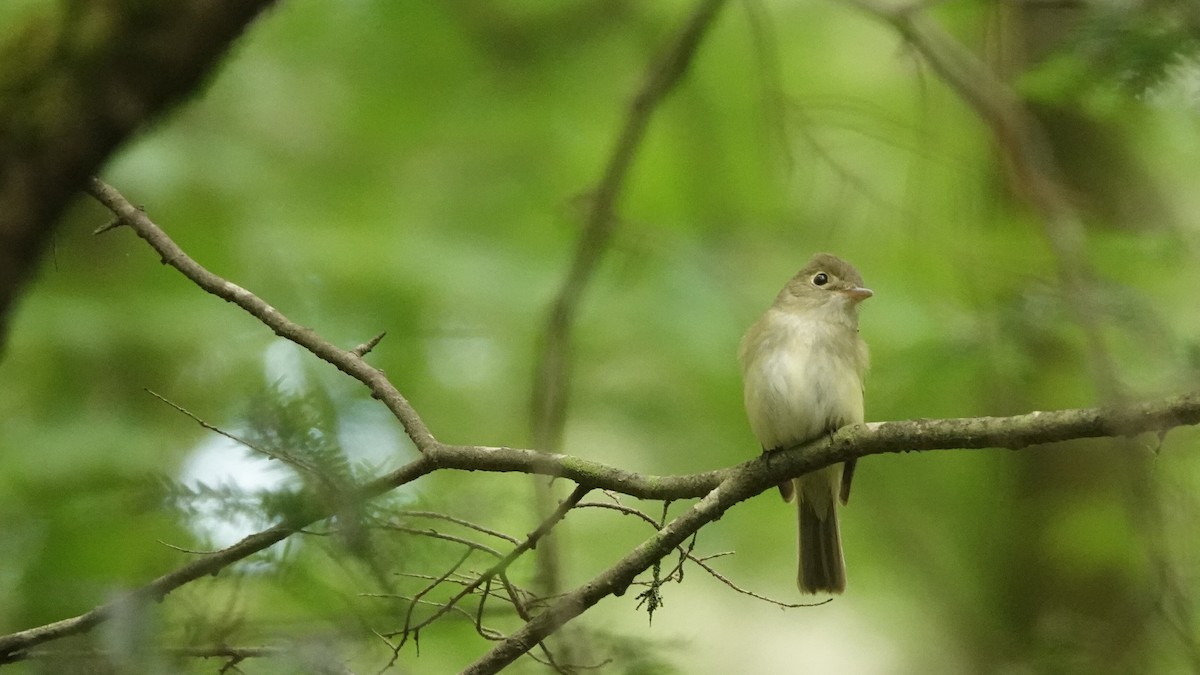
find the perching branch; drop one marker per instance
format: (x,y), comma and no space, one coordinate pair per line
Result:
(718,490)
(751,478)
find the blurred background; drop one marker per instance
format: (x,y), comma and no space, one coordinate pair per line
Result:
(425,169)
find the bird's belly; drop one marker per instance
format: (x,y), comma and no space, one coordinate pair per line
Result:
(803,395)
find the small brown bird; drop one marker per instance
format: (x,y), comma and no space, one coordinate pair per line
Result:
(803,365)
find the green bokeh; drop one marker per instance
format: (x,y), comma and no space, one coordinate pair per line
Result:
(423,169)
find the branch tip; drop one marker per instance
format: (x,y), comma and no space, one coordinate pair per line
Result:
(112,224)
(365,348)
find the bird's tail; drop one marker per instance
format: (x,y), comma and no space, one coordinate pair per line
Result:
(822,569)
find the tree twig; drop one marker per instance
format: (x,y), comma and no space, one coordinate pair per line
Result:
(458,521)
(501,565)
(294,462)
(686,554)
(347,361)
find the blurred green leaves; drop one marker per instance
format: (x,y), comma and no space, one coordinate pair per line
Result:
(419,168)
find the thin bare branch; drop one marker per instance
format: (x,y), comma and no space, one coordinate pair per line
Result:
(346,361)
(192,551)
(294,462)
(745,482)
(515,593)
(365,348)
(409,629)
(489,633)
(459,521)
(552,372)
(687,554)
(531,541)
(434,534)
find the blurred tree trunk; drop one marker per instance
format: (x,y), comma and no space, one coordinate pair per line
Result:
(1094,150)
(1079,600)
(75,82)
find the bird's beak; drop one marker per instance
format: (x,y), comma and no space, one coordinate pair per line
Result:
(858,294)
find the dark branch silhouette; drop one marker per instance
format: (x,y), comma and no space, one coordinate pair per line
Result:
(74,86)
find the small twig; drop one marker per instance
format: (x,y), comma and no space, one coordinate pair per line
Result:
(549,660)
(530,541)
(485,579)
(515,595)
(484,594)
(459,579)
(216,651)
(110,225)
(623,509)
(184,550)
(408,627)
(460,521)
(491,633)
(285,458)
(363,349)
(444,537)
(685,554)
(434,534)
(487,633)
(702,562)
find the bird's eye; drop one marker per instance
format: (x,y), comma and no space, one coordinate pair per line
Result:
(820,279)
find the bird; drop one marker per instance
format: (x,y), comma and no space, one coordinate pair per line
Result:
(803,366)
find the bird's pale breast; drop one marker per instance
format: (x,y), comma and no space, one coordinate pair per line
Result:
(802,379)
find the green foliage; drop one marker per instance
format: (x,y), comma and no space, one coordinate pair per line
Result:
(422,168)
(1120,53)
